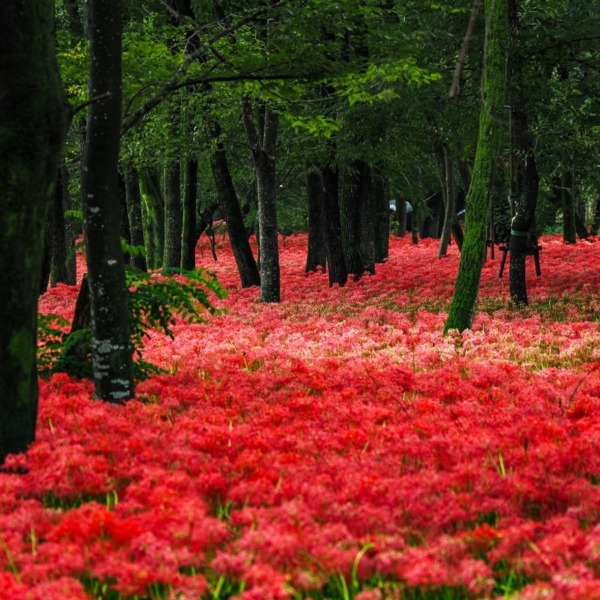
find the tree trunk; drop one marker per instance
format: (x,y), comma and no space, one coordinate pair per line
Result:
(568,207)
(111,343)
(336,263)
(381,211)
(350,218)
(596,218)
(228,199)
(134,215)
(367,215)
(525,168)
(153,221)
(317,252)
(464,301)
(262,141)
(60,247)
(189,239)
(33,125)
(173,216)
(450,204)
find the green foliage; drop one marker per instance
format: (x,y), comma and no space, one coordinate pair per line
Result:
(155,302)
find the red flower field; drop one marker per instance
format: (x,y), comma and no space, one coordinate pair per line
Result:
(335,445)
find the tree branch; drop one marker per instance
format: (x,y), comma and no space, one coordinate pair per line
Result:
(462,55)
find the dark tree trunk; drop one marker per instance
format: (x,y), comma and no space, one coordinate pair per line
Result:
(350,218)
(450,204)
(336,263)
(367,214)
(528,183)
(60,247)
(123,217)
(111,343)
(521,240)
(596,218)
(72,229)
(401,217)
(568,207)
(262,141)
(228,199)
(33,125)
(153,221)
(189,239)
(317,252)
(173,216)
(134,215)
(381,211)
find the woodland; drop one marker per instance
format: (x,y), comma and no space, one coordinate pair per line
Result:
(300,300)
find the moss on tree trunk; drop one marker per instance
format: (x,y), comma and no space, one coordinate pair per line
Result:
(33,124)
(464,300)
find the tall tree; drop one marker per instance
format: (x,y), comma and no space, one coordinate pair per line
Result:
(262,140)
(522,147)
(466,291)
(111,344)
(33,125)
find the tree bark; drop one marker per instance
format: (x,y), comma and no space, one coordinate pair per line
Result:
(228,199)
(33,125)
(450,202)
(153,220)
(336,263)
(173,216)
(568,208)
(381,213)
(134,215)
(262,141)
(521,241)
(317,252)
(189,239)
(111,343)
(464,300)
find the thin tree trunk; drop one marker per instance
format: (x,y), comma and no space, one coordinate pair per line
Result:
(111,343)
(568,207)
(464,300)
(189,239)
(59,272)
(134,215)
(152,219)
(450,207)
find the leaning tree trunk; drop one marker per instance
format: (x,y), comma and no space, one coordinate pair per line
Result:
(245,261)
(528,184)
(317,252)
(153,220)
(33,124)
(109,301)
(464,300)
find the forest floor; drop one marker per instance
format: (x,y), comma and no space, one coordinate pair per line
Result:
(336,445)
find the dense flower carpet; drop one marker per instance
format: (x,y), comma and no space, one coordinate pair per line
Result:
(336,445)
